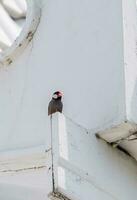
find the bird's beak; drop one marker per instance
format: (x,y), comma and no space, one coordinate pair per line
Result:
(60,94)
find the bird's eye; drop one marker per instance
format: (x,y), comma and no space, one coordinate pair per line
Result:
(55,96)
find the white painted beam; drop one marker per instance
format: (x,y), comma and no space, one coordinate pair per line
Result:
(130,58)
(87,168)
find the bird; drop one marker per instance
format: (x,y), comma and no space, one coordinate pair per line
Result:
(55,105)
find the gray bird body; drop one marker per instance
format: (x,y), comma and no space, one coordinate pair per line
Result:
(55,105)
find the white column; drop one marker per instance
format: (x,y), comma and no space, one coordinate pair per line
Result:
(130,57)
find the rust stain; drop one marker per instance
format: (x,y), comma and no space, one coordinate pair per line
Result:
(9,61)
(58,195)
(20,44)
(29,36)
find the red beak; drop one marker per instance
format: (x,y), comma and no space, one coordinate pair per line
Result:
(60,94)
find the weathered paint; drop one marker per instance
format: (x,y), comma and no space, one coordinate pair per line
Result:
(123,136)
(25,174)
(8,56)
(88,168)
(77,48)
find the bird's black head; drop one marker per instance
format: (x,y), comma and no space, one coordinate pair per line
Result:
(57,95)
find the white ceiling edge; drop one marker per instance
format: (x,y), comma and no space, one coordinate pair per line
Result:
(124,136)
(32,21)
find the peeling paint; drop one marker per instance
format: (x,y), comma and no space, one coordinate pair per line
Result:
(9,61)
(30,35)
(26,35)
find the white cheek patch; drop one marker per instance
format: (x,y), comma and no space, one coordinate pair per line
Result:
(55,96)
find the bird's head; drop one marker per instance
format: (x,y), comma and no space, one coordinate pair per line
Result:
(57,95)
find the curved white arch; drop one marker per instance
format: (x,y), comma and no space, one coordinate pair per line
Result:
(32,20)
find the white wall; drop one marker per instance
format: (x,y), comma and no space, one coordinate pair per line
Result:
(25,174)
(88,168)
(78,48)
(130,57)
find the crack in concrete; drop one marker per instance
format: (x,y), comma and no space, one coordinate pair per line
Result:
(22,169)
